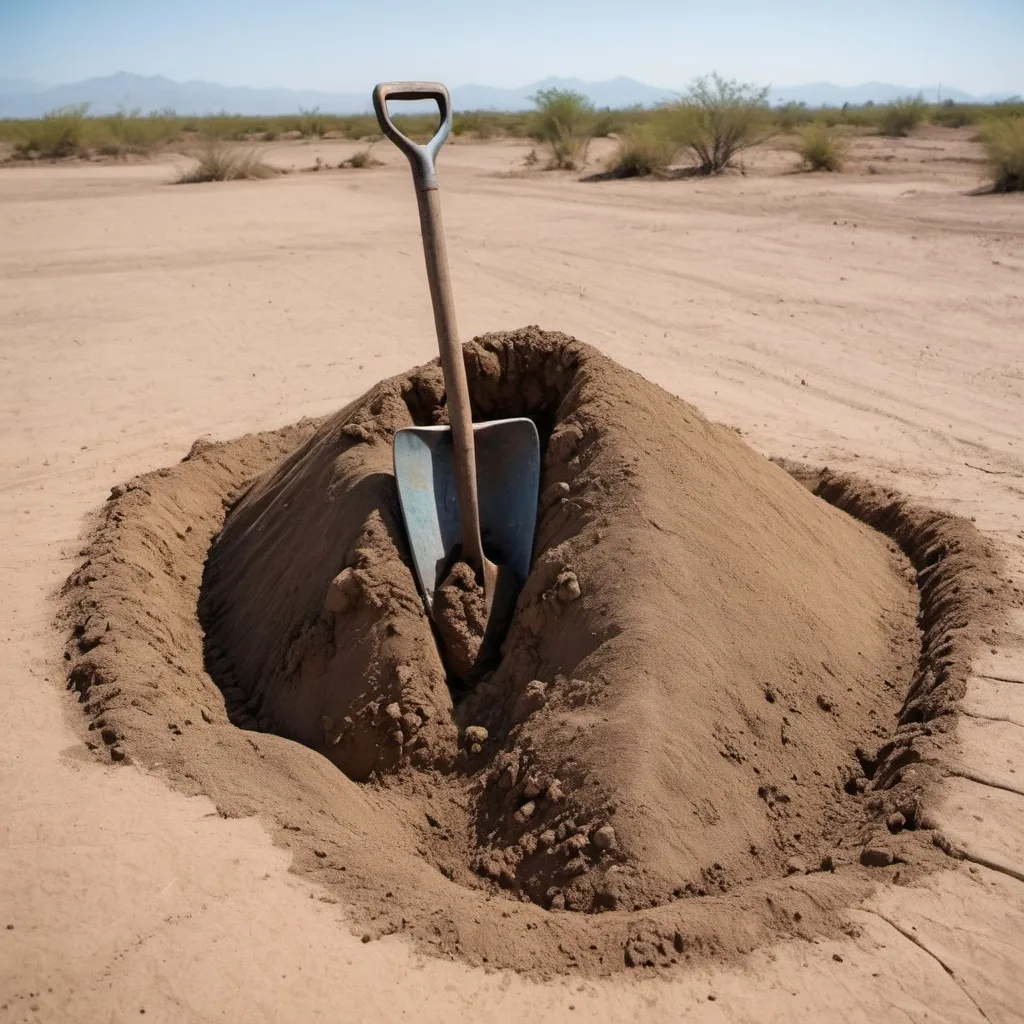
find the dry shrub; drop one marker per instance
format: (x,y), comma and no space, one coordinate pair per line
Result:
(901,117)
(716,119)
(565,121)
(58,133)
(644,149)
(1003,139)
(220,163)
(822,149)
(363,159)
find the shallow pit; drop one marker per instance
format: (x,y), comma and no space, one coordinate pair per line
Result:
(713,699)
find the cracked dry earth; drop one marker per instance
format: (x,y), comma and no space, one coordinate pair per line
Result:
(896,895)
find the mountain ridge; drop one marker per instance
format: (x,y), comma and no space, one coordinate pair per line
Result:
(129,91)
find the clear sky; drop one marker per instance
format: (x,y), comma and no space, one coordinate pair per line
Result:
(340,45)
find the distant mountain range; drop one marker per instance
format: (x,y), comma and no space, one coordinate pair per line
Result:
(125,91)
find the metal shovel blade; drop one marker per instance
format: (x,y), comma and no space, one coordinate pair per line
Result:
(508,479)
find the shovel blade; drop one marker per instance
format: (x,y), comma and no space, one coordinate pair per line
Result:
(508,479)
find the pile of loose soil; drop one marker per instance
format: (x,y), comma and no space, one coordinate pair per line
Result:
(696,643)
(712,704)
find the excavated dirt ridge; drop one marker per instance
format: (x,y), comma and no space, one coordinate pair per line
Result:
(712,721)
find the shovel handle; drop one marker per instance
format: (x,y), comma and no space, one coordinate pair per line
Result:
(420,157)
(460,416)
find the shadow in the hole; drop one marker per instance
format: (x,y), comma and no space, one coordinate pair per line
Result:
(245,701)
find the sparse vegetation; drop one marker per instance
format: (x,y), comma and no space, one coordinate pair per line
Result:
(217,162)
(312,122)
(717,119)
(821,148)
(490,124)
(714,121)
(791,115)
(565,121)
(56,134)
(1003,139)
(364,158)
(901,117)
(130,132)
(954,115)
(644,149)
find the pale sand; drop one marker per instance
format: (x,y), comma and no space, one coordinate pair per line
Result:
(135,316)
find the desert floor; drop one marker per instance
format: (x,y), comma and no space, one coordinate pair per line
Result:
(872,320)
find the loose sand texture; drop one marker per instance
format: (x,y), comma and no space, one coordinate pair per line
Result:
(698,628)
(699,649)
(713,686)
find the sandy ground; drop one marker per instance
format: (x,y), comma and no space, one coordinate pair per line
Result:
(869,321)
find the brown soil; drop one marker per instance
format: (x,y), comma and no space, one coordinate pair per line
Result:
(712,706)
(460,616)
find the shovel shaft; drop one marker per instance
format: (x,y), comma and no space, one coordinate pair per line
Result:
(460,417)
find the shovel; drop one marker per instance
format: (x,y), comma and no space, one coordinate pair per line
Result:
(468,492)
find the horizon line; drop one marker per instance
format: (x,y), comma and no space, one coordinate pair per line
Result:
(938,86)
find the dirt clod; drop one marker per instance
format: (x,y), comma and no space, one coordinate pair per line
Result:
(567,587)
(476,734)
(896,822)
(460,614)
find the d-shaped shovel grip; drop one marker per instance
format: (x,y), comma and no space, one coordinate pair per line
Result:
(428,200)
(421,158)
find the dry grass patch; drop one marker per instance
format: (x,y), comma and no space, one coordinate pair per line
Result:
(363,159)
(220,163)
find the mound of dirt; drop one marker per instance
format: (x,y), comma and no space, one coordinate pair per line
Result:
(711,698)
(697,649)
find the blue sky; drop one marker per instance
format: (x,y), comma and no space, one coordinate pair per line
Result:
(975,45)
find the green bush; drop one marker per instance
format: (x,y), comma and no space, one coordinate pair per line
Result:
(219,163)
(564,120)
(901,117)
(716,119)
(645,149)
(56,134)
(1003,139)
(821,149)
